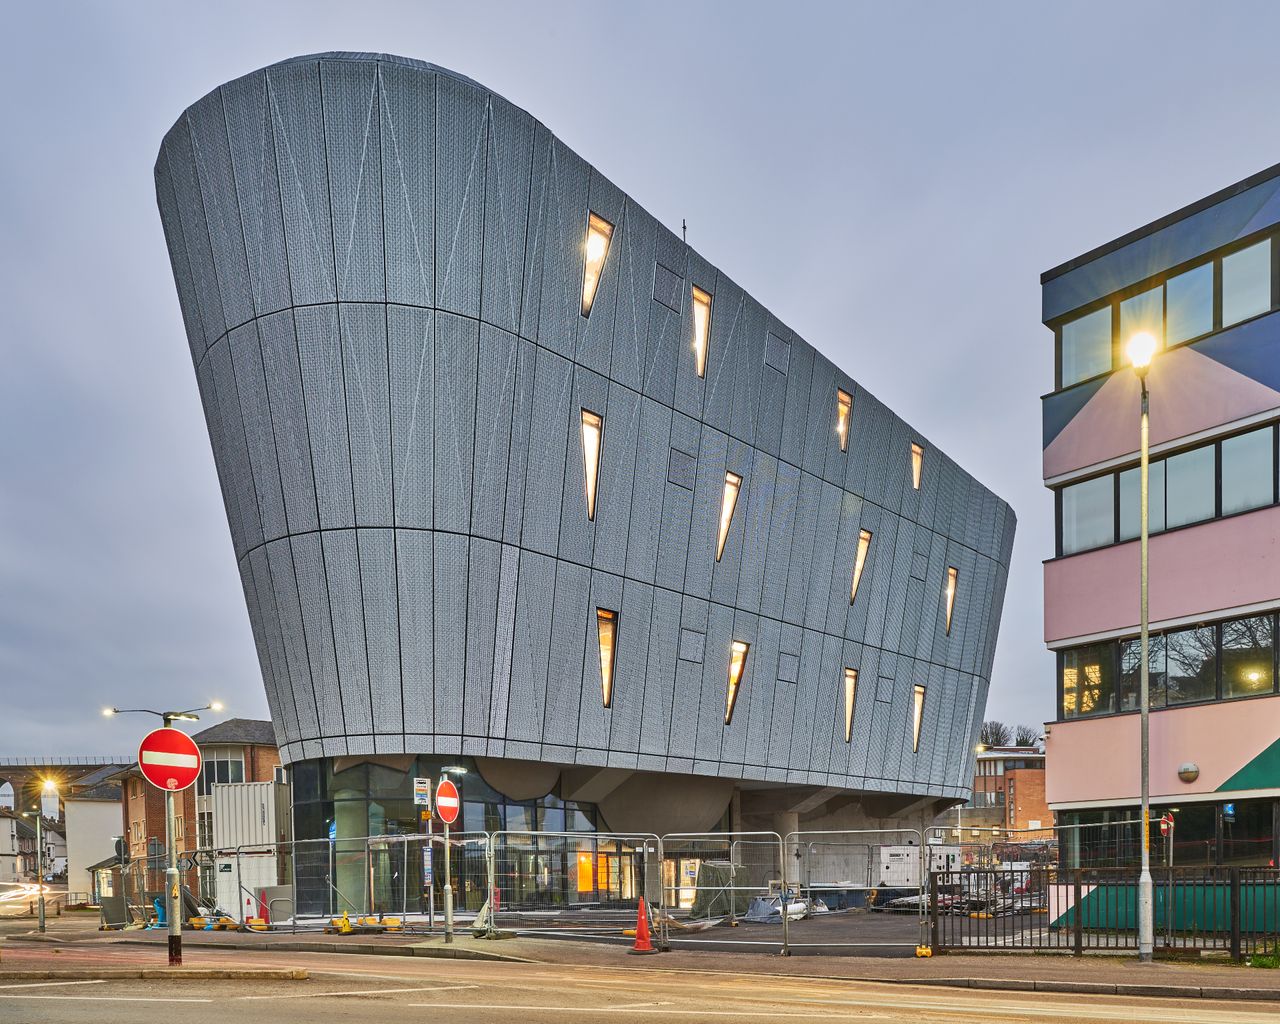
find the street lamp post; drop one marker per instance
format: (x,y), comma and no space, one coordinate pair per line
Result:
(448,884)
(172,883)
(1141,349)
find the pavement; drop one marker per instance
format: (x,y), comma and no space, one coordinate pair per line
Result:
(70,946)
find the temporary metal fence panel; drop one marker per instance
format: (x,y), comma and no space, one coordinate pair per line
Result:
(711,878)
(850,871)
(552,880)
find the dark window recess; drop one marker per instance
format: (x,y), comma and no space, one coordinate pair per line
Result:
(788,668)
(777,353)
(667,287)
(692,644)
(682,469)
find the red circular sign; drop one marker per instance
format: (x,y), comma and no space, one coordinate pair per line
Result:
(169,759)
(448,803)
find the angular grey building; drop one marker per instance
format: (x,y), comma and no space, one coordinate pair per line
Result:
(515,475)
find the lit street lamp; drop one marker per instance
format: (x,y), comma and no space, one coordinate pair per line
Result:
(1141,350)
(172,910)
(48,787)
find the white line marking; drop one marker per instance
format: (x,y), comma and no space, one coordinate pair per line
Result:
(665,1011)
(163,757)
(46,984)
(112,999)
(366,992)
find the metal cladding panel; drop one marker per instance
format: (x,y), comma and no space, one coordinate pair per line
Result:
(495,392)
(462,130)
(342,569)
(415,578)
(255,411)
(297,125)
(406,120)
(364,372)
(253,161)
(320,354)
(457,345)
(380,267)
(412,361)
(208,124)
(317,630)
(353,148)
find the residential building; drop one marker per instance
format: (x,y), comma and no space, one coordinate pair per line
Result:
(1205,282)
(93,822)
(518,481)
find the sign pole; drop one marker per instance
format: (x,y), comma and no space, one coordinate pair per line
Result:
(172,917)
(448,890)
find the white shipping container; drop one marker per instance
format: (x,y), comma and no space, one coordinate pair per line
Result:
(250,814)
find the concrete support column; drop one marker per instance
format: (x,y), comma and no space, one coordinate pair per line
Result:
(785,822)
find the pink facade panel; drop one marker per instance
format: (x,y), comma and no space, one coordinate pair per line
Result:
(1195,572)
(1219,739)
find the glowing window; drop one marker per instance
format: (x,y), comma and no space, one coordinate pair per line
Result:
(592,427)
(917,714)
(607,633)
(701,328)
(599,233)
(850,693)
(737,662)
(859,562)
(844,406)
(732,484)
(917,465)
(952,574)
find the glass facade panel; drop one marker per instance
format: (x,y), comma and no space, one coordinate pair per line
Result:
(1189,486)
(1143,312)
(1248,471)
(917,465)
(1248,656)
(728,501)
(599,232)
(737,662)
(1088,514)
(701,329)
(1195,835)
(844,408)
(1130,673)
(1189,304)
(1192,658)
(1247,830)
(1086,346)
(859,562)
(1130,524)
(1246,283)
(1088,681)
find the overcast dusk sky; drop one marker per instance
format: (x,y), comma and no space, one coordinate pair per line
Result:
(889,179)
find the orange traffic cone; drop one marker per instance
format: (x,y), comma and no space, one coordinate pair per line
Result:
(643,945)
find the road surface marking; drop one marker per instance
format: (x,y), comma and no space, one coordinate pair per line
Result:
(46,984)
(111,999)
(666,1011)
(366,992)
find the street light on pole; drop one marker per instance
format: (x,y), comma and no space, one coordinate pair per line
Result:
(1141,349)
(171,876)
(448,885)
(49,786)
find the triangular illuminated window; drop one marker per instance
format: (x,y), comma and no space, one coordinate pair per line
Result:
(599,233)
(732,485)
(917,715)
(737,665)
(701,328)
(607,634)
(952,574)
(844,409)
(850,695)
(592,428)
(917,465)
(859,562)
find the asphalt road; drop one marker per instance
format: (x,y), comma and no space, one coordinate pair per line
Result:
(374,990)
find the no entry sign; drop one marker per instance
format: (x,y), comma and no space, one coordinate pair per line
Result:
(169,759)
(447,801)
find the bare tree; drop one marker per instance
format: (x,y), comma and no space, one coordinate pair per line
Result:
(995,734)
(1026,736)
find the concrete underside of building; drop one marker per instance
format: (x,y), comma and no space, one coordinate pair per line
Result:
(514,475)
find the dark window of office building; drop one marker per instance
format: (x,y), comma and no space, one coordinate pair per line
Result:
(1248,656)
(1248,471)
(1131,669)
(1088,514)
(1192,664)
(1088,681)
(1189,496)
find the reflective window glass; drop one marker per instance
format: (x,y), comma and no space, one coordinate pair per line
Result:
(1189,301)
(1088,514)
(1248,471)
(1246,283)
(1131,673)
(1143,312)
(1086,346)
(1248,656)
(1189,490)
(1088,681)
(1192,664)
(1130,504)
